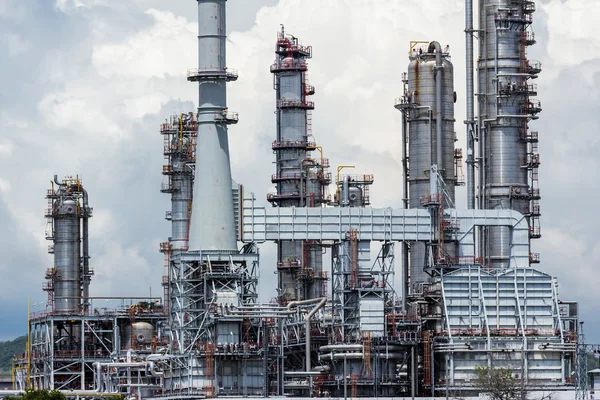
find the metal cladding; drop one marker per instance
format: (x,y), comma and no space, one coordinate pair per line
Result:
(212,224)
(423,136)
(300,180)
(67,242)
(510,159)
(69,279)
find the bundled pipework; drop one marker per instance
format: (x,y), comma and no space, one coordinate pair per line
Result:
(67,227)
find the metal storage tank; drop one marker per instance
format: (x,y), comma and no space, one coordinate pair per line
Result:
(141,332)
(422,137)
(67,287)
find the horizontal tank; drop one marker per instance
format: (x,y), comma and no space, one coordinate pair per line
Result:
(138,334)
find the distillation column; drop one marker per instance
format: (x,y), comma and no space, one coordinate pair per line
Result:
(508,178)
(300,180)
(69,279)
(429,104)
(179,134)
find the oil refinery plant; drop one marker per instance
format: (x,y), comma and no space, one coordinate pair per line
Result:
(470,297)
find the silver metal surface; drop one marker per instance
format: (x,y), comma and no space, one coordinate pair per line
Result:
(505,90)
(181,199)
(212,224)
(470,99)
(67,242)
(425,79)
(261,224)
(297,177)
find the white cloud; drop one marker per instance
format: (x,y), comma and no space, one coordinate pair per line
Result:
(6,148)
(69,5)
(12,10)
(160,51)
(16,44)
(72,112)
(4,186)
(574,37)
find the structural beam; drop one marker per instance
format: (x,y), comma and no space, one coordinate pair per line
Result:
(260,224)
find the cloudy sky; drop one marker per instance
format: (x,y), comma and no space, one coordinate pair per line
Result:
(84,85)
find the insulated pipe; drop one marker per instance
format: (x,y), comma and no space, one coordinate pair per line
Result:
(320,303)
(404,161)
(303,373)
(337,356)
(334,347)
(470,105)
(405,249)
(332,356)
(86,254)
(57,182)
(346,191)
(439,68)
(97,374)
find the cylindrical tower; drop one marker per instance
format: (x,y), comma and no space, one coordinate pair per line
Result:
(179,151)
(179,134)
(508,178)
(300,180)
(212,224)
(67,293)
(431,134)
(69,278)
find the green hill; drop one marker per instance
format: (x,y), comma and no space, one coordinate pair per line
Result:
(9,349)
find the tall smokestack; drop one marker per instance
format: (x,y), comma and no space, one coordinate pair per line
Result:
(212,223)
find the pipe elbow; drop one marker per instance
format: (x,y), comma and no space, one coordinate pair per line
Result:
(434,47)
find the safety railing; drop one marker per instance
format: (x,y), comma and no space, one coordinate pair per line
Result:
(535,232)
(285,45)
(196,74)
(289,144)
(227,117)
(533,67)
(510,16)
(286,177)
(165,247)
(532,160)
(527,38)
(295,104)
(532,107)
(287,65)
(309,90)
(534,193)
(288,264)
